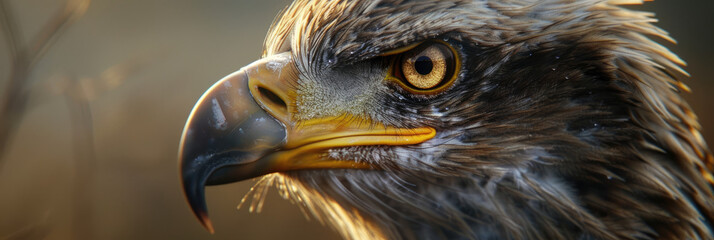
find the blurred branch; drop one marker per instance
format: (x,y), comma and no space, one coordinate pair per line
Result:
(83,146)
(55,27)
(10,30)
(14,99)
(78,94)
(14,102)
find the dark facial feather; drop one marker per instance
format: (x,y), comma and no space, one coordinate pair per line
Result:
(565,123)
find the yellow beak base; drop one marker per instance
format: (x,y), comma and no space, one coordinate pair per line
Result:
(243,127)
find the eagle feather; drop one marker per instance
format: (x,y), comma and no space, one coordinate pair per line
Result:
(566,125)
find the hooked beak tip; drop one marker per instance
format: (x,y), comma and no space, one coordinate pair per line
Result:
(224,136)
(206,222)
(195,195)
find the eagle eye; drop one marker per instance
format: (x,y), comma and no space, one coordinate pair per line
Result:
(427,68)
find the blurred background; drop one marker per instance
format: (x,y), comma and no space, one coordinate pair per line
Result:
(91,148)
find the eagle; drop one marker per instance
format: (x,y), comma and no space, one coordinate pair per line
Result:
(461,119)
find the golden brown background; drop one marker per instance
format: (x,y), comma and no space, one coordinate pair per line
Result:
(140,66)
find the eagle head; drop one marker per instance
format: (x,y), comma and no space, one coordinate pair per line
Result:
(454,119)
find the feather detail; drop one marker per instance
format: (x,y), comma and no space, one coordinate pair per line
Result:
(565,123)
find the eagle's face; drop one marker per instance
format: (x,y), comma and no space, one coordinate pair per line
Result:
(459,119)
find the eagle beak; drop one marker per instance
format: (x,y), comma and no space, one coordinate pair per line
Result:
(243,127)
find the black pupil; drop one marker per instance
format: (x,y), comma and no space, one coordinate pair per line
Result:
(423,65)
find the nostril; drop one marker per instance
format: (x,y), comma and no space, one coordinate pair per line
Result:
(273,100)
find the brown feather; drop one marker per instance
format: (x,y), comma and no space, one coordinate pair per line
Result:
(565,123)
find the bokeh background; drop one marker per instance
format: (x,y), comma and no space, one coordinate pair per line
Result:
(93,155)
